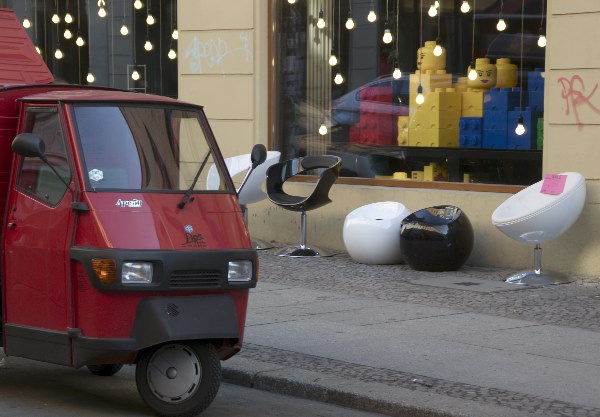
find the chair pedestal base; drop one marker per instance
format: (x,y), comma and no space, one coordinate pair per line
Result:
(260,244)
(302,252)
(547,277)
(537,276)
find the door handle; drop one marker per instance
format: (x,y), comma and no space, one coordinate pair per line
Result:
(11,225)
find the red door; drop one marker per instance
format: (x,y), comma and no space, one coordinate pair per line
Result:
(38,233)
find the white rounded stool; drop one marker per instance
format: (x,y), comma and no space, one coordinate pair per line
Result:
(372,233)
(531,216)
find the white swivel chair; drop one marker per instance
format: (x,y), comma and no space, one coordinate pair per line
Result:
(253,185)
(533,217)
(371,233)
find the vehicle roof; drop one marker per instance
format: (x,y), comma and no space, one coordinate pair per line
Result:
(83,94)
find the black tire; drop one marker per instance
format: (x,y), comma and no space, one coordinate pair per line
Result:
(178,379)
(108,369)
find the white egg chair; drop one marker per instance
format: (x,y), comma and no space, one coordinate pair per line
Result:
(533,217)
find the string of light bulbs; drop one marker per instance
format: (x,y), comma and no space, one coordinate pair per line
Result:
(501,25)
(542,39)
(520,129)
(387,33)
(397,73)
(339,78)
(350,21)
(420,99)
(438,50)
(472,72)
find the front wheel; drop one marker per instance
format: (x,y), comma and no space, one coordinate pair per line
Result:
(178,379)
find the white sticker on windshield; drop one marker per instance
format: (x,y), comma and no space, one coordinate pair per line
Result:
(96,175)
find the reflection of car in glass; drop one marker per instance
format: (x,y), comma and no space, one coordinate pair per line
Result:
(384,95)
(508,45)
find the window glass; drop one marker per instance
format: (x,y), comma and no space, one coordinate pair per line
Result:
(35,175)
(145,149)
(362,104)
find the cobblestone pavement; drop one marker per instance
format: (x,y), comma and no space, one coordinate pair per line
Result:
(575,306)
(572,305)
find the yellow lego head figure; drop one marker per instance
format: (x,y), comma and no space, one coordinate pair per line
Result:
(427,60)
(485,75)
(507,73)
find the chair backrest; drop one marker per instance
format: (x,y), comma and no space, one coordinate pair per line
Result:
(253,190)
(279,173)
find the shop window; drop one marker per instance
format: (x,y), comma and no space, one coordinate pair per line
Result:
(362,105)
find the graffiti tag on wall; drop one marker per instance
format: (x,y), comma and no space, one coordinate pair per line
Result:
(211,55)
(575,94)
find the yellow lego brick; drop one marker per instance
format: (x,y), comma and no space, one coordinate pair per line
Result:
(417,175)
(429,82)
(429,119)
(461,84)
(401,175)
(466,177)
(402,130)
(472,103)
(433,138)
(428,173)
(443,99)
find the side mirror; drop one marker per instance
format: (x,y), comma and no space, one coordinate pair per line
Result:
(258,155)
(29,145)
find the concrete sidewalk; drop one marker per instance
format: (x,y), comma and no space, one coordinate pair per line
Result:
(405,343)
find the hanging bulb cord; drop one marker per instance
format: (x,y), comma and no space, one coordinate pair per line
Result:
(420,40)
(542,19)
(473,37)
(501,7)
(397,32)
(521,80)
(339,51)
(438,22)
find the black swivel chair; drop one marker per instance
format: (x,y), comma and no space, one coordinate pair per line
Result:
(279,173)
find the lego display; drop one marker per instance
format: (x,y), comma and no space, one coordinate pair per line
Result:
(486,74)
(427,60)
(506,73)
(438,238)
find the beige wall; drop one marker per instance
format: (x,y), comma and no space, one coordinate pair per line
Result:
(234,91)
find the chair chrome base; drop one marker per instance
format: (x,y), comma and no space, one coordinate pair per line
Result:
(260,244)
(302,252)
(539,278)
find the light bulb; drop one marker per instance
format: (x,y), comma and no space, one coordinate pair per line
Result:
(322,129)
(465,7)
(420,99)
(333,59)
(150,19)
(472,74)
(175,34)
(135,75)
(26,23)
(438,51)
(138,4)
(321,21)
(291,1)
(436,4)
(102,12)
(432,11)
(55,18)
(90,78)
(58,54)
(397,74)
(387,36)
(339,78)
(38,50)
(501,25)
(520,129)
(350,23)
(68,34)
(372,16)
(148,46)
(124,30)
(542,41)
(79,41)
(172,54)
(68,18)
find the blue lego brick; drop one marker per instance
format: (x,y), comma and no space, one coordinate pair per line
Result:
(494,139)
(470,132)
(535,100)
(529,139)
(535,80)
(501,99)
(493,120)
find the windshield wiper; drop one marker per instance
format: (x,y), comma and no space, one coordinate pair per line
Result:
(188,193)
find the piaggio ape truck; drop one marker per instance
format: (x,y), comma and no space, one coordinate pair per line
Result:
(113,249)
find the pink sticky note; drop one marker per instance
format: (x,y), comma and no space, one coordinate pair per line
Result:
(553,184)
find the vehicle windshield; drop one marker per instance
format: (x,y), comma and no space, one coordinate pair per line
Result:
(144,148)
